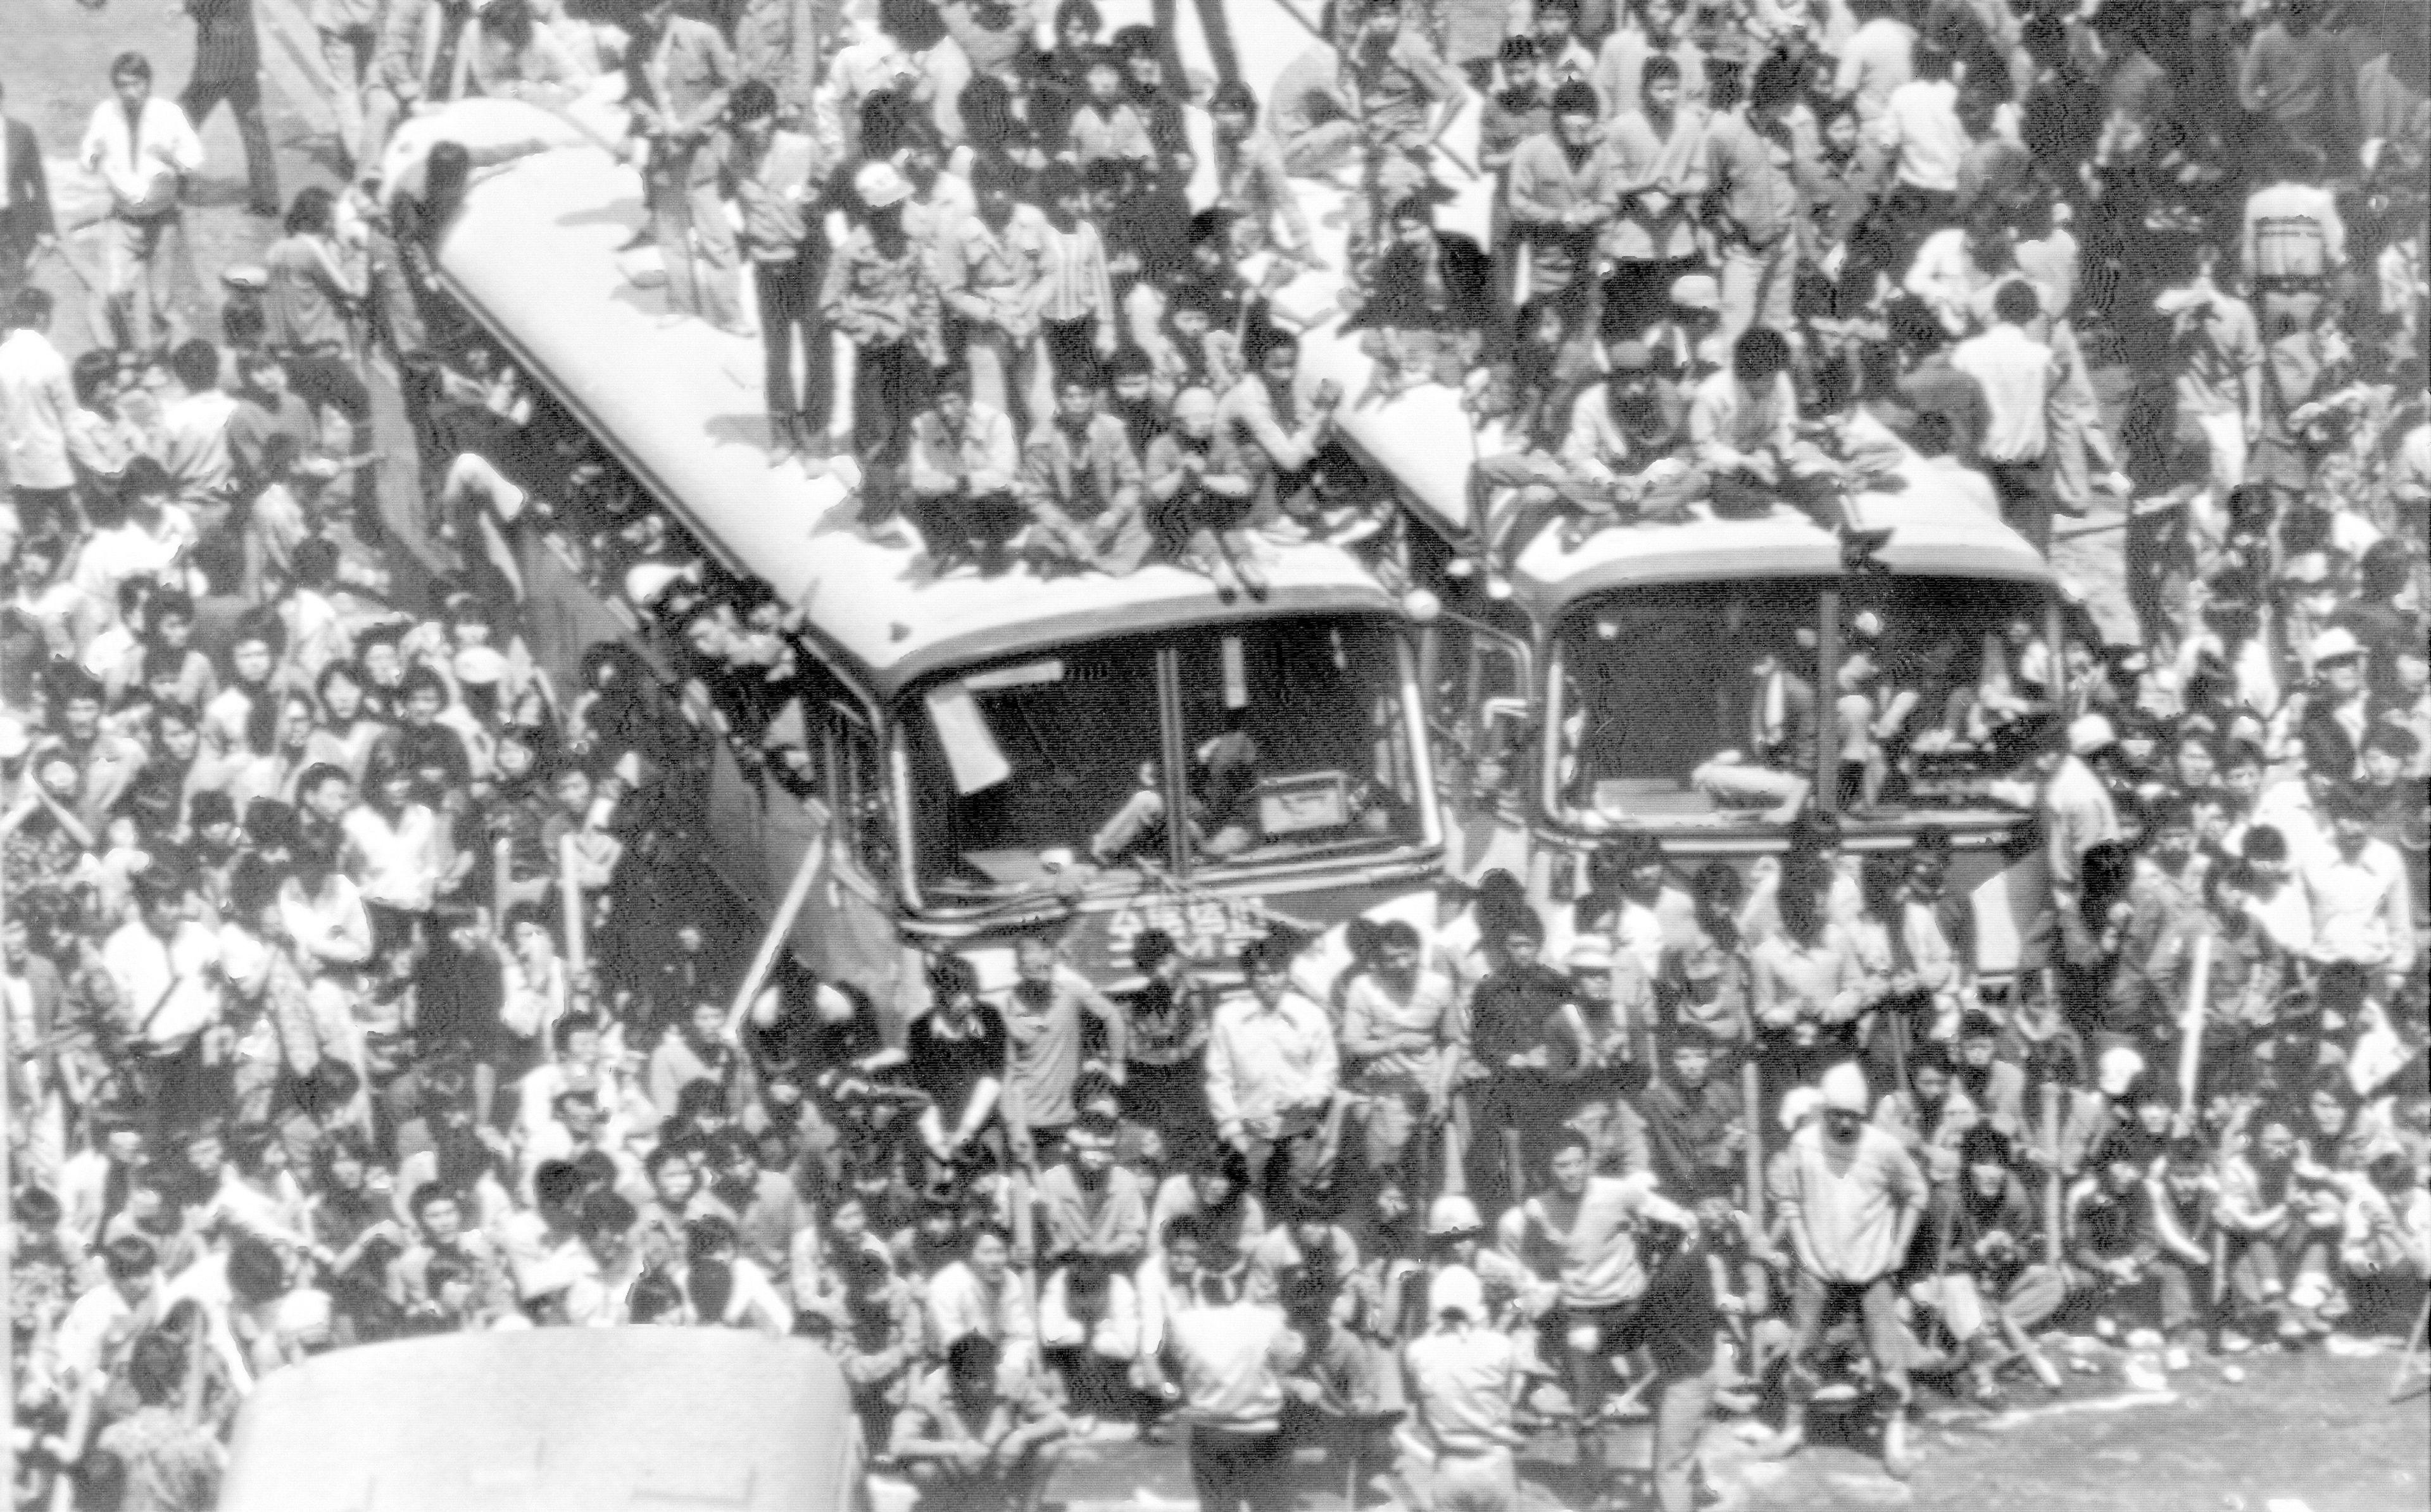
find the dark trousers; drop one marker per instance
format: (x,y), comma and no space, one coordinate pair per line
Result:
(242,94)
(2025,492)
(1071,348)
(1212,25)
(1637,293)
(1239,1472)
(325,380)
(890,385)
(788,294)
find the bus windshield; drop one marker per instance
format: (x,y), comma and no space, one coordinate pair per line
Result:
(1696,702)
(1295,735)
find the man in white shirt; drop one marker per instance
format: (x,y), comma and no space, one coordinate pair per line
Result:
(1919,136)
(36,400)
(144,150)
(2363,914)
(2019,377)
(1272,1070)
(1878,58)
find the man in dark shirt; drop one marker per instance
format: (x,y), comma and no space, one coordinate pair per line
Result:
(1514,1012)
(1674,1323)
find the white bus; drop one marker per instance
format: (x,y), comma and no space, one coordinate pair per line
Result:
(967,738)
(1588,698)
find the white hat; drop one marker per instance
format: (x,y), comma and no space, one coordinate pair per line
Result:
(878,186)
(1844,1088)
(1797,1105)
(1589,954)
(1697,291)
(2334,642)
(480,666)
(2116,1070)
(1456,1288)
(2088,733)
(1195,403)
(648,582)
(13,738)
(1453,1214)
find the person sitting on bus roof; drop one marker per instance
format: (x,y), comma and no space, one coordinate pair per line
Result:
(1743,423)
(1191,350)
(1621,452)
(1200,492)
(963,465)
(1081,483)
(1281,433)
(1427,306)
(1771,773)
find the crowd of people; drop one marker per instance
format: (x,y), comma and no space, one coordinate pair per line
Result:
(360,979)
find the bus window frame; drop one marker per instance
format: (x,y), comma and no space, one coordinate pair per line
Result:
(1173,743)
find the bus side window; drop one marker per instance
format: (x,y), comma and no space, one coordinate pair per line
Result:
(860,771)
(1498,720)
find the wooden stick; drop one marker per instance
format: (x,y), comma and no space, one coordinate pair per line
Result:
(763,960)
(577,953)
(2190,1029)
(2413,1368)
(1751,1118)
(502,872)
(2053,1210)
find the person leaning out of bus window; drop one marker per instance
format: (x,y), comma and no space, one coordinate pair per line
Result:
(1773,772)
(964,464)
(679,77)
(881,294)
(979,1435)
(1081,483)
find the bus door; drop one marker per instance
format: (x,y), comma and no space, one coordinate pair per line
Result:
(1479,715)
(844,823)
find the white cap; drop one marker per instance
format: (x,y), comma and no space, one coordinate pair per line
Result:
(1453,1214)
(1195,403)
(2088,733)
(480,666)
(2116,1070)
(1797,1105)
(13,738)
(2333,642)
(1844,1088)
(648,582)
(1456,1288)
(878,186)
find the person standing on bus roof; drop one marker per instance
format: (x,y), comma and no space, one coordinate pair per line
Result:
(881,292)
(679,77)
(778,177)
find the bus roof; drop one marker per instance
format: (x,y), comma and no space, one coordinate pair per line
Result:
(536,256)
(553,1420)
(1932,534)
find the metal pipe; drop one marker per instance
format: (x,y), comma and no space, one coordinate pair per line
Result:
(1826,797)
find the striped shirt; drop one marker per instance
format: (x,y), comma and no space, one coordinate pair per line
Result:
(1073,280)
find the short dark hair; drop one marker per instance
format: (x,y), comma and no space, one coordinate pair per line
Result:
(196,364)
(31,309)
(754,99)
(130,64)
(2017,301)
(1233,97)
(1576,97)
